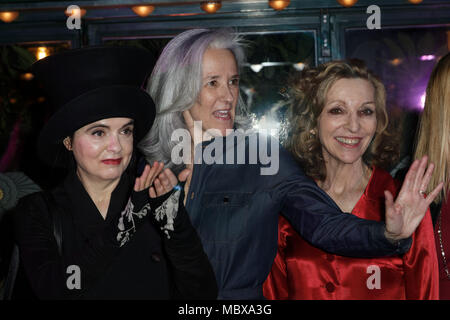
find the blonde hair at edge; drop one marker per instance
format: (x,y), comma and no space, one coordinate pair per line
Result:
(434,129)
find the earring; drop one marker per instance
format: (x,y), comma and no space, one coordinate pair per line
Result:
(312,132)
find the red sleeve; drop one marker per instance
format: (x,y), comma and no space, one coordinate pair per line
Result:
(276,285)
(421,264)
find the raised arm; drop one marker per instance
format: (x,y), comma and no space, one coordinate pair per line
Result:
(405,214)
(319,220)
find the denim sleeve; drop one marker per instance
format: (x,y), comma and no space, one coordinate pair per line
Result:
(317,218)
(319,221)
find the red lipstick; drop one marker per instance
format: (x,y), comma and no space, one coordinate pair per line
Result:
(112,161)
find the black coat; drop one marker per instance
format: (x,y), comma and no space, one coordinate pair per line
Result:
(148,266)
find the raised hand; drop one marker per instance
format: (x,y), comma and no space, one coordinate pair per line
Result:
(148,176)
(189,121)
(166,181)
(197,137)
(405,214)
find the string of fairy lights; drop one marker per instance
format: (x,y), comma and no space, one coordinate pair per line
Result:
(210,7)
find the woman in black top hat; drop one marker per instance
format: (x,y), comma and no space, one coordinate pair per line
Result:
(116,238)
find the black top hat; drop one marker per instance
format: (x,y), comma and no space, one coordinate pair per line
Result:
(90,84)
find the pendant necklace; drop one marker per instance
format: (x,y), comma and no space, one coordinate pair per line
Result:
(441,244)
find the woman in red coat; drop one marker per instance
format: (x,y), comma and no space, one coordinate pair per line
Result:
(340,137)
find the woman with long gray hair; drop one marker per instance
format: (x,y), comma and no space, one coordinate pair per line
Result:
(176,82)
(234,206)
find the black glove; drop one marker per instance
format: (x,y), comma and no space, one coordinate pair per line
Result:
(165,209)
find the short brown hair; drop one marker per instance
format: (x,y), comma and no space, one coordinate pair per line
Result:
(309,91)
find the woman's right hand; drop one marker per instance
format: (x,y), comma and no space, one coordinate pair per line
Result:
(159,181)
(148,176)
(166,181)
(405,214)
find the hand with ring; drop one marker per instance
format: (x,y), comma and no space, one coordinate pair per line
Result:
(405,214)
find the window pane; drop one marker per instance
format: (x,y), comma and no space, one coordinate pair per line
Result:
(271,59)
(403,58)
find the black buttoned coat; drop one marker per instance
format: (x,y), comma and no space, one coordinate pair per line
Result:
(93,265)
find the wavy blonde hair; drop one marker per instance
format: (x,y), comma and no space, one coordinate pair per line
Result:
(309,91)
(434,129)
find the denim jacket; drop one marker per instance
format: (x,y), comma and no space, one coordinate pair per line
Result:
(235,208)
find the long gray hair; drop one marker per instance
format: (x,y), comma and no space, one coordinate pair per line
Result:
(175,84)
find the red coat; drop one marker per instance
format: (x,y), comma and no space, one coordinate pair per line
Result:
(301,271)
